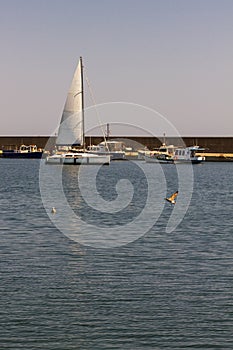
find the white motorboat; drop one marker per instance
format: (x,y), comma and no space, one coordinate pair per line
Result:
(71,133)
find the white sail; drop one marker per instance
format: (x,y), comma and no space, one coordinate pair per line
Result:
(71,126)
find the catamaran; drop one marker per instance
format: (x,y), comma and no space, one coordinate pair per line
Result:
(71,133)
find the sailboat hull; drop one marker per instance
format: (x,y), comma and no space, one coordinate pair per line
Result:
(78,159)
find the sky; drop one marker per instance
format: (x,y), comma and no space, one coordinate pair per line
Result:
(173,58)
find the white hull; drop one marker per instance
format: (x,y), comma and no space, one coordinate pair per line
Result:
(113,155)
(77,159)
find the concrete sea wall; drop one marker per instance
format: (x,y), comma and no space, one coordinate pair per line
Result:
(215,144)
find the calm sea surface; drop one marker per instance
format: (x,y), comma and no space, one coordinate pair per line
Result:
(161,291)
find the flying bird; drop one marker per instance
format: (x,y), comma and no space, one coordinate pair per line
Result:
(172,198)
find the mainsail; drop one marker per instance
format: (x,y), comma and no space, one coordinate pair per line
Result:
(71,127)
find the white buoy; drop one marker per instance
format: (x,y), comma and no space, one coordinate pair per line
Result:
(53,211)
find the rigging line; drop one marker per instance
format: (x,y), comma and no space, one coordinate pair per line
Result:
(96,110)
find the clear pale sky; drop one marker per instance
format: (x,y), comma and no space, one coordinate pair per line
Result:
(174,56)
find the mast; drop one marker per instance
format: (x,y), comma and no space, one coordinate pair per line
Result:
(107,131)
(164,139)
(82,92)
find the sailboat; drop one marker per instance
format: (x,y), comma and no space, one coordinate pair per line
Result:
(71,133)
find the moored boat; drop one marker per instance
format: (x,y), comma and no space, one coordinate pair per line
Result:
(109,147)
(188,154)
(24,151)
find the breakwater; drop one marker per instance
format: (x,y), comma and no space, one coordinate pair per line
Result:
(215,144)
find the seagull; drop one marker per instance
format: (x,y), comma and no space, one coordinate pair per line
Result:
(172,198)
(53,211)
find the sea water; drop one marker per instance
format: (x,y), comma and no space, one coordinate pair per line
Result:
(163,290)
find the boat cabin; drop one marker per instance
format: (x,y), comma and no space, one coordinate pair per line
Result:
(108,146)
(27,149)
(165,149)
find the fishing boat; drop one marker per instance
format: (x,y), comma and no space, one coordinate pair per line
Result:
(24,151)
(70,143)
(188,154)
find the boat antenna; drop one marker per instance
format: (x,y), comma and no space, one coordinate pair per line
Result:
(96,110)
